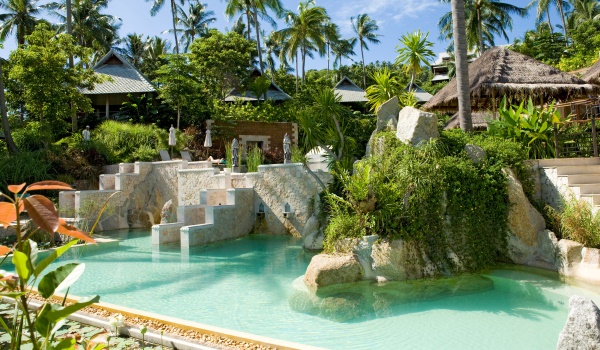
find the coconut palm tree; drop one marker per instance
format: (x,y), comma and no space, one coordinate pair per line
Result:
(365,29)
(20,17)
(583,10)
(543,8)
(157,5)
(155,50)
(343,48)
(134,49)
(386,86)
(273,50)
(90,27)
(332,36)
(194,23)
(484,19)
(462,69)
(413,51)
(304,33)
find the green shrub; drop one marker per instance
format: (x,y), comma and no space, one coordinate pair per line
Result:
(24,166)
(298,155)
(32,136)
(254,158)
(433,196)
(576,221)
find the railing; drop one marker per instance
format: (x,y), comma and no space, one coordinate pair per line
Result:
(579,136)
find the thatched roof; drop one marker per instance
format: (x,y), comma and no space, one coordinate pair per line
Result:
(592,74)
(125,78)
(499,71)
(479,120)
(350,92)
(421,95)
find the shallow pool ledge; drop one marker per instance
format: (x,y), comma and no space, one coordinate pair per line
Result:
(194,326)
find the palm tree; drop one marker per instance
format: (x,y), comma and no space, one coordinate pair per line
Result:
(193,23)
(155,50)
(90,27)
(134,49)
(273,50)
(157,5)
(332,36)
(19,17)
(583,10)
(462,69)
(343,48)
(386,86)
(543,8)
(304,33)
(415,50)
(365,29)
(484,19)
(10,144)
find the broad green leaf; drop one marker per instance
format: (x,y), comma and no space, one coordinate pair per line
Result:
(42,212)
(12,295)
(31,249)
(60,279)
(22,265)
(530,108)
(68,343)
(53,256)
(42,324)
(57,314)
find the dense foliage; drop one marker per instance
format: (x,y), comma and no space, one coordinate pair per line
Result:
(433,196)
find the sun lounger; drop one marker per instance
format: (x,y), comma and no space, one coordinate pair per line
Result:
(164,155)
(185,155)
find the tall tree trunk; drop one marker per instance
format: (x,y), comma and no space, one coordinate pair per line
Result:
(303,65)
(258,48)
(462,68)
(327,60)
(248,34)
(296,71)
(479,31)
(174,16)
(549,22)
(562,18)
(10,144)
(71,63)
(178,115)
(363,66)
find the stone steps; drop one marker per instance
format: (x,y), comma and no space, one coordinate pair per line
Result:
(560,162)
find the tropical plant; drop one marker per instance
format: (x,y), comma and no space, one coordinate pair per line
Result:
(531,127)
(415,51)
(583,11)
(155,51)
(157,5)
(365,29)
(39,327)
(386,86)
(543,8)
(90,27)
(484,19)
(254,158)
(542,44)
(343,48)
(194,23)
(20,17)
(332,36)
(576,220)
(304,34)
(134,49)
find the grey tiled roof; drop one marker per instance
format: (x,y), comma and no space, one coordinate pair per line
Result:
(349,91)
(274,93)
(421,95)
(125,78)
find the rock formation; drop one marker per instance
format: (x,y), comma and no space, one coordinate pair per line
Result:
(325,270)
(415,126)
(582,330)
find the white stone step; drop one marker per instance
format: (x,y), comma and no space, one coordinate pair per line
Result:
(589,189)
(557,162)
(590,179)
(593,199)
(578,169)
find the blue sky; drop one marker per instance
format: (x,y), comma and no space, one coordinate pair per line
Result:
(394,17)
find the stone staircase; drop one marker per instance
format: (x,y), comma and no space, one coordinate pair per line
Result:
(571,177)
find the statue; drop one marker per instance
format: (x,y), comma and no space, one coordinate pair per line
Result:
(166,215)
(235,148)
(86,133)
(287,153)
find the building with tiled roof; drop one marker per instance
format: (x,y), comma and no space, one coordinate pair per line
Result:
(123,80)
(274,93)
(421,95)
(350,92)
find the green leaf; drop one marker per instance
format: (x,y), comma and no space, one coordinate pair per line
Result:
(59,313)
(53,256)
(42,324)
(31,249)
(60,279)
(22,264)
(12,295)
(64,344)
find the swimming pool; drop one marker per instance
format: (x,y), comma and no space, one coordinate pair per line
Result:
(252,285)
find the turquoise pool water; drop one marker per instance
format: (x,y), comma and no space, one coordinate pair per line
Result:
(252,285)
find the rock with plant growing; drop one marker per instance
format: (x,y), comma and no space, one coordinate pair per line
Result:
(37,328)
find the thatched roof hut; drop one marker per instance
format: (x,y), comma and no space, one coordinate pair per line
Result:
(592,74)
(499,72)
(479,120)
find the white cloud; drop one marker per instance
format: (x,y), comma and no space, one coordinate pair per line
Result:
(381,10)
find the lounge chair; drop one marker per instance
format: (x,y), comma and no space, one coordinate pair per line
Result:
(164,155)
(185,155)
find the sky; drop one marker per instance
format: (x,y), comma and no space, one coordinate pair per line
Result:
(394,18)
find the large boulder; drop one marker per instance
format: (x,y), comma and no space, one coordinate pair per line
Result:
(582,330)
(396,260)
(325,270)
(415,126)
(524,221)
(387,114)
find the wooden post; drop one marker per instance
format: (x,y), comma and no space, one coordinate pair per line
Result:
(594,136)
(556,149)
(107,106)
